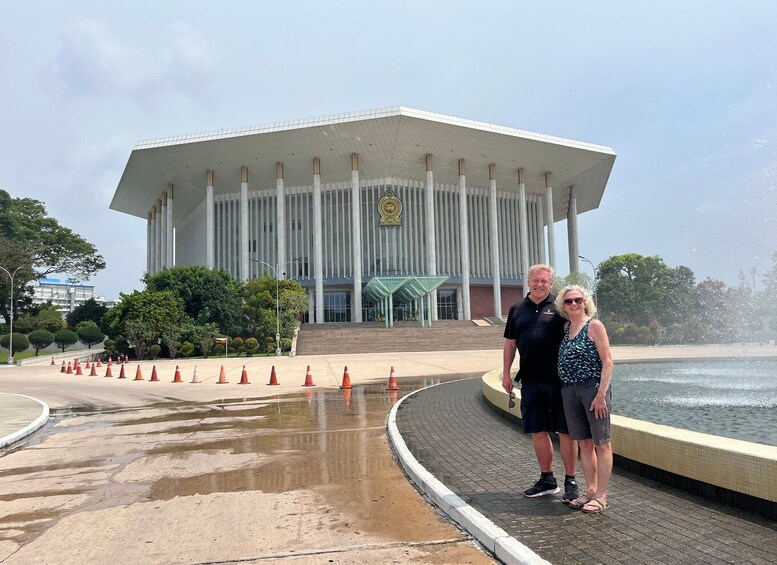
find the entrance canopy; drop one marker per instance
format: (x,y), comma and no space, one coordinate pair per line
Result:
(381,290)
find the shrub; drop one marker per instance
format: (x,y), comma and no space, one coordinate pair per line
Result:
(154,350)
(65,338)
(89,333)
(269,344)
(40,339)
(186,350)
(219,348)
(251,346)
(285,344)
(109,345)
(645,336)
(20,342)
(236,346)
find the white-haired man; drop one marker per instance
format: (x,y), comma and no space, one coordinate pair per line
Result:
(535,329)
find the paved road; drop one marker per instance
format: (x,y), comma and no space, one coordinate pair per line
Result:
(482,457)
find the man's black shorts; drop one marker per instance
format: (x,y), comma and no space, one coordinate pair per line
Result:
(542,408)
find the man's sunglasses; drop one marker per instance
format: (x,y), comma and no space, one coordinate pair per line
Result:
(511,402)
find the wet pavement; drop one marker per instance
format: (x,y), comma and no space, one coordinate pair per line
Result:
(484,458)
(304,476)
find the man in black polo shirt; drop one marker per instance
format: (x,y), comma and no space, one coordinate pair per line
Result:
(535,329)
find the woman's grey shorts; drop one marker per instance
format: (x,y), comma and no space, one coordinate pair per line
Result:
(581,421)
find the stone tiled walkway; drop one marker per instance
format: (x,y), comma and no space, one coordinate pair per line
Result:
(483,458)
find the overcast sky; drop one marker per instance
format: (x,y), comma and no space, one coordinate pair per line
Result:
(684,92)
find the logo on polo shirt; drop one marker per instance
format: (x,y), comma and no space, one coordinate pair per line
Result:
(549,311)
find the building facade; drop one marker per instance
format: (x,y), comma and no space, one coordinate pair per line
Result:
(335,202)
(65,296)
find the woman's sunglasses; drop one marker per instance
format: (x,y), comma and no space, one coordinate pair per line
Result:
(575,300)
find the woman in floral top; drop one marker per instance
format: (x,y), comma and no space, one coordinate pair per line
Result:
(585,367)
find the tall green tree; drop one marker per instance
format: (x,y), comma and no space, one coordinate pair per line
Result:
(634,288)
(208,295)
(765,295)
(259,295)
(36,243)
(142,318)
(89,311)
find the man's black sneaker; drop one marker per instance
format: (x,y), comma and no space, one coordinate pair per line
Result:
(570,491)
(542,487)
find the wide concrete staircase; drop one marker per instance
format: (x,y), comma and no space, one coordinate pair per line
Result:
(373,337)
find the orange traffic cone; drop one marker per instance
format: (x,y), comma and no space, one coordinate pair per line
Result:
(273,377)
(78,370)
(88,364)
(69,369)
(154,377)
(308,378)
(138,374)
(177,377)
(52,361)
(99,364)
(93,372)
(346,380)
(121,373)
(244,377)
(222,377)
(347,397)
(109,361)
(392,384)
(195,378)
(62,370)
(107,371)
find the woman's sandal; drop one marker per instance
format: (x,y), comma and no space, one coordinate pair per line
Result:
(595,506)
(578,503)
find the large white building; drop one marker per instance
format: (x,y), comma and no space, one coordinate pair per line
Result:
(354,206)
(65,296)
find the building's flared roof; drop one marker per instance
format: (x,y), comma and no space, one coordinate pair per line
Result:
(391,143)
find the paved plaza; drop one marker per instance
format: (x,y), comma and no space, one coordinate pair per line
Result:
(139,470)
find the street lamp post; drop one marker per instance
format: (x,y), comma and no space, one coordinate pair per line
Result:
(593,281)
(10,336)
(275,271)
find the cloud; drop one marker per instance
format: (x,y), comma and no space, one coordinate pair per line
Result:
(93,61)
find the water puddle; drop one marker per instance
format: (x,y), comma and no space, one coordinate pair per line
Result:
(328,441)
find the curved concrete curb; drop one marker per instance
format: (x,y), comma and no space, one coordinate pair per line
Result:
(495,539)
(30,428)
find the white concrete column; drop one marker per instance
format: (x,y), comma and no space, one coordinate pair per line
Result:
(572,232)
(163,231)
(464,239)
(312,307)
(431,234)
(149,244)
(494,224)
(210,224)
(541,223)
(169,224)
(244,235)
(549,221)
(159,243)
(356,227)
(524,229)
(280,219)
(318,245)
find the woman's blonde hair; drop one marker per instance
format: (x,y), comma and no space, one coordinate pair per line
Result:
(590,307)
